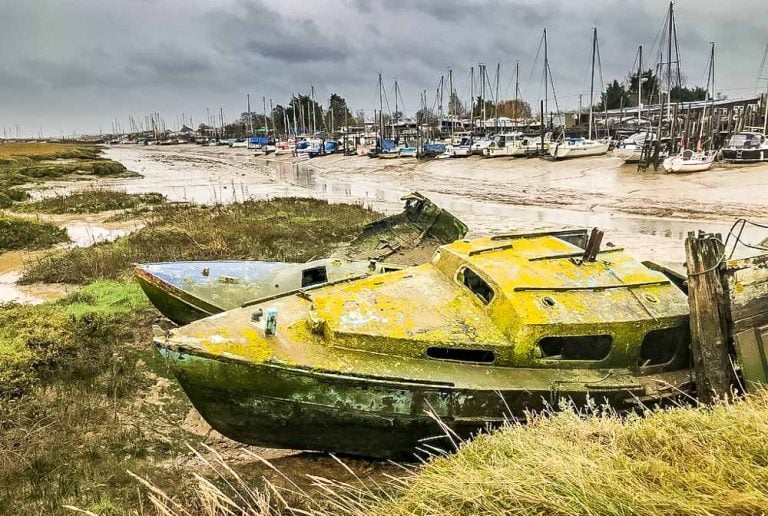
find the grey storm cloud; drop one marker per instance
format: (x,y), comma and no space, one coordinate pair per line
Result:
(76,65)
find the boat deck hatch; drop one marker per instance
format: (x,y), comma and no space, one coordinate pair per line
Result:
(314,276)
(585,347)
(483,356)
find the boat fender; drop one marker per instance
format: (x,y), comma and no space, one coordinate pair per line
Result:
(270,326)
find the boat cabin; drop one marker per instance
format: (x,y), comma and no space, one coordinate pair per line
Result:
(519,300)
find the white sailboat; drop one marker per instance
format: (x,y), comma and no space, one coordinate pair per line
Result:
(582,147)
(689,160)
(577,148)
(630,149)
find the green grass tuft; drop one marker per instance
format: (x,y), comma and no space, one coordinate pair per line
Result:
(34,338)
(17,233)
(106,298)
(90,201)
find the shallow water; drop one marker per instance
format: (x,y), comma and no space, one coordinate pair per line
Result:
(83,231)
(11,265)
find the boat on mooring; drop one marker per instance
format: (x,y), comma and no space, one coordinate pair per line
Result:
(487,330)
(746,147)
(689,161)
(186,291)
(577,148)
(630,149)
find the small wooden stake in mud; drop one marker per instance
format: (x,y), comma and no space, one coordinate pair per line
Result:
(709,333)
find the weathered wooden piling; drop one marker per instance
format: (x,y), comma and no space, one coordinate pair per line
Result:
(709,315)
(746,285)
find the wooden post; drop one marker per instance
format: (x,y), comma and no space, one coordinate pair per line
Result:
(709,341)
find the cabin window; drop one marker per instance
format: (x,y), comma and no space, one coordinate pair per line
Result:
(477,285)
(661,346)
(313,276)
(482,356)
(586,347)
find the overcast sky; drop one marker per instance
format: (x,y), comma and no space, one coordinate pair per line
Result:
(75,65)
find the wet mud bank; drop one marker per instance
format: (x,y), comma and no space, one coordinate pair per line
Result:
(649,213)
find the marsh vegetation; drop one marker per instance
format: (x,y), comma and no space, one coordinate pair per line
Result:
(84,397)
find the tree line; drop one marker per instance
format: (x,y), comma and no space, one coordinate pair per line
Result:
(619,95)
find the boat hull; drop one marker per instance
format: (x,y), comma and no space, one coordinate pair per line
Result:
(675,166)
(175,305)
(559,151)
(629,155)
(281,406)
(745,155)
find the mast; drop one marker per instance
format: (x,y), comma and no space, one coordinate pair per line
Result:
(765,117)
(250,119)
(546,76)
(639,86)
(496,104)
(274,124)
(516,111)
(394,118)
(381,116)
(592,83)
(450,99)
(481,68)
(669,68)
(710,79)
(471,101)
(440,93)
(314,110)
(266,124)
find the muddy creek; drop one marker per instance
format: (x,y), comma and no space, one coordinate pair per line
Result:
(649,213)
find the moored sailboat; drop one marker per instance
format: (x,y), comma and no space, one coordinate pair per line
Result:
(582,147)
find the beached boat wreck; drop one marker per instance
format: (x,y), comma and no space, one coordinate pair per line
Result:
(488,329)
(189,290)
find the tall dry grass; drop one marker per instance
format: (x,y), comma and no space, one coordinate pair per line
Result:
(701,461)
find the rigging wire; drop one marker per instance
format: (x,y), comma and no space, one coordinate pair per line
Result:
(760,70)
(737,240)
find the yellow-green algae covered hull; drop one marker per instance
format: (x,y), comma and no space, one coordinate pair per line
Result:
(361,367)
(283,406)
